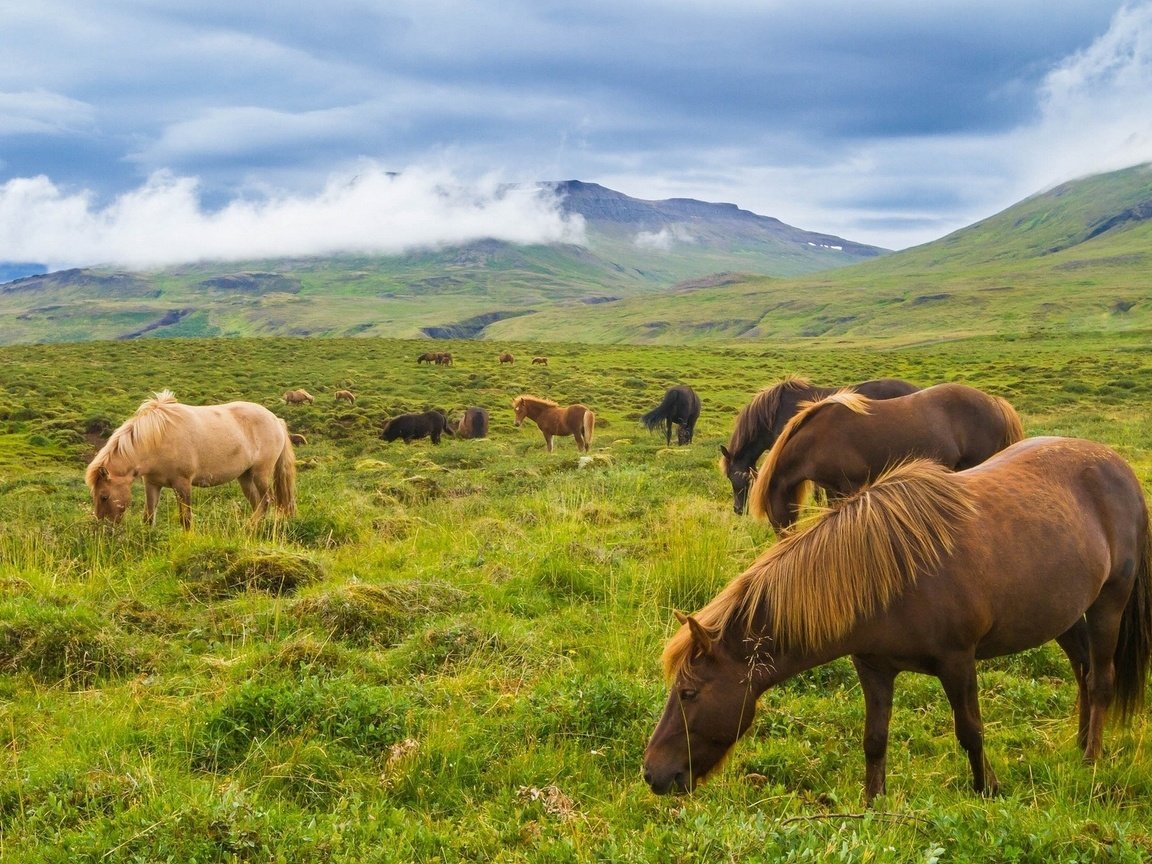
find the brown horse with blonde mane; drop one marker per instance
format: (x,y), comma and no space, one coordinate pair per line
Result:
(576,420)
(181,446)
(844,440)
(928,571)
(761,421)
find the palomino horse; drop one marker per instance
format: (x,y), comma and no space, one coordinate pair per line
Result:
(505,357)
(575,420)
(761,421)
(181,446)
(346,395)
(928,571)
(681,406)
(298,397)
(844,440)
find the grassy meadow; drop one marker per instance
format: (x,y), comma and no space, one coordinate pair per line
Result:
(452,653)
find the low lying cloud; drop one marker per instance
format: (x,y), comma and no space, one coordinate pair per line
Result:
(374,211)
(662,240)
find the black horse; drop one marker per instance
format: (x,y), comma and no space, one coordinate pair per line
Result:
(761,420)
(681,406)
(430,424)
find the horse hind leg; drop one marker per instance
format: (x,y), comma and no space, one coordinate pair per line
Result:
(1074,643)
(1102,622)
(257,489)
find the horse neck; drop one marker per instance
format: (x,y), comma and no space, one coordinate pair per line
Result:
(767,662)
(535,409)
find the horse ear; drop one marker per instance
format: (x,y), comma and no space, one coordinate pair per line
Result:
(724,452)
(102,473)
(700,636)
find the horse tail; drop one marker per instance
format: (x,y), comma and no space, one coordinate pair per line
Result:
(588,421)
(660,413)
(1134,645)
(284,478)
(1013,426)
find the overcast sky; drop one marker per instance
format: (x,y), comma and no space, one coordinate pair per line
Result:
(154,131)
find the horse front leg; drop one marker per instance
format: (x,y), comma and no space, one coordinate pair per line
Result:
(958,675)
(548,442)
(877,680)
(151,500)
(1074,643)
(183,490)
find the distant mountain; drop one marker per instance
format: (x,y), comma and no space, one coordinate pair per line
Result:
(634,248)
(1076,258)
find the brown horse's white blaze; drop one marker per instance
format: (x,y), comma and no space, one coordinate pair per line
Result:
(576,420)
(167,444)
(928,571)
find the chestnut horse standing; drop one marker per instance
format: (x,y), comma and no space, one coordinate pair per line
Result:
(181,446)
(928,571)
(844,440)
(760,422)
(576,420)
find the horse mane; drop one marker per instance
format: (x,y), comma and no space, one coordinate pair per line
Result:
(758,494)
(139,431)
(850,561)
(524,397)
(760,414)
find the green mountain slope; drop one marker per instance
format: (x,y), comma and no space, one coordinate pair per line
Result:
(1076,258)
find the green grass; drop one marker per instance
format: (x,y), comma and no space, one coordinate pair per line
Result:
(452,653)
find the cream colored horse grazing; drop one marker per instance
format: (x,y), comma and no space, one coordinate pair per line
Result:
(181,446)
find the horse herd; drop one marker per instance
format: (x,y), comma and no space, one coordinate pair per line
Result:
(948,537)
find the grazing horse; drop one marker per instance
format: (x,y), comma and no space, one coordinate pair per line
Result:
(298,397)
(539,361)
(576,420)
(443,358)
(427,357)
(505,357)
(760,422)
(844,440)
(346,395)
(297,438)
(474,424)
(681,406)
(181,446)
(928,571)
(429,424)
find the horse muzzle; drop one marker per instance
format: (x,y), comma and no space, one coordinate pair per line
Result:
(668,782)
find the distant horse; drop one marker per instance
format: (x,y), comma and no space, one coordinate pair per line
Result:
(181,446)
(429,424)
(844,440)
(428,357)
(443,359)
(576,420)
(539,361)
(507,358)
(681,406)
(474,424)
(928,571)
(346,395)
(762,419)
(297,438)
(298,397)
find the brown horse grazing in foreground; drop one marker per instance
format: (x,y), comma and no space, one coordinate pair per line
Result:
(928,571)
(844,440)
(761,421)
(346,395)
(298,397)
(576,420)
(181,446)
(507,358)
(539,361)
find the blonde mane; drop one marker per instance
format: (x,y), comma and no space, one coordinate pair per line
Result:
(139,432)
(850,561)
(758,494)
(760,413)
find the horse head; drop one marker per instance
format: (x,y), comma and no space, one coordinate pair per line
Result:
(711,704)
(111,494)
(520,406)
(741,477)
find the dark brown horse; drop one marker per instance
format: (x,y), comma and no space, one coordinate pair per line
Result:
(427,357)
(474,424)
(760,422)
(408,427)
(539,361)
(681,406)
(846,439)
(576,420)
(928,571)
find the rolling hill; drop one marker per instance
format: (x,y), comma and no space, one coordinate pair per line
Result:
(634,248)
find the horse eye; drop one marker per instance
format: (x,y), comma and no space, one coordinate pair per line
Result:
(103,497)
(687,695)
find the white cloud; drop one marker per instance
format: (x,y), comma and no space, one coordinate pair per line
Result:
(42,112)
(164,222)
(663,240)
